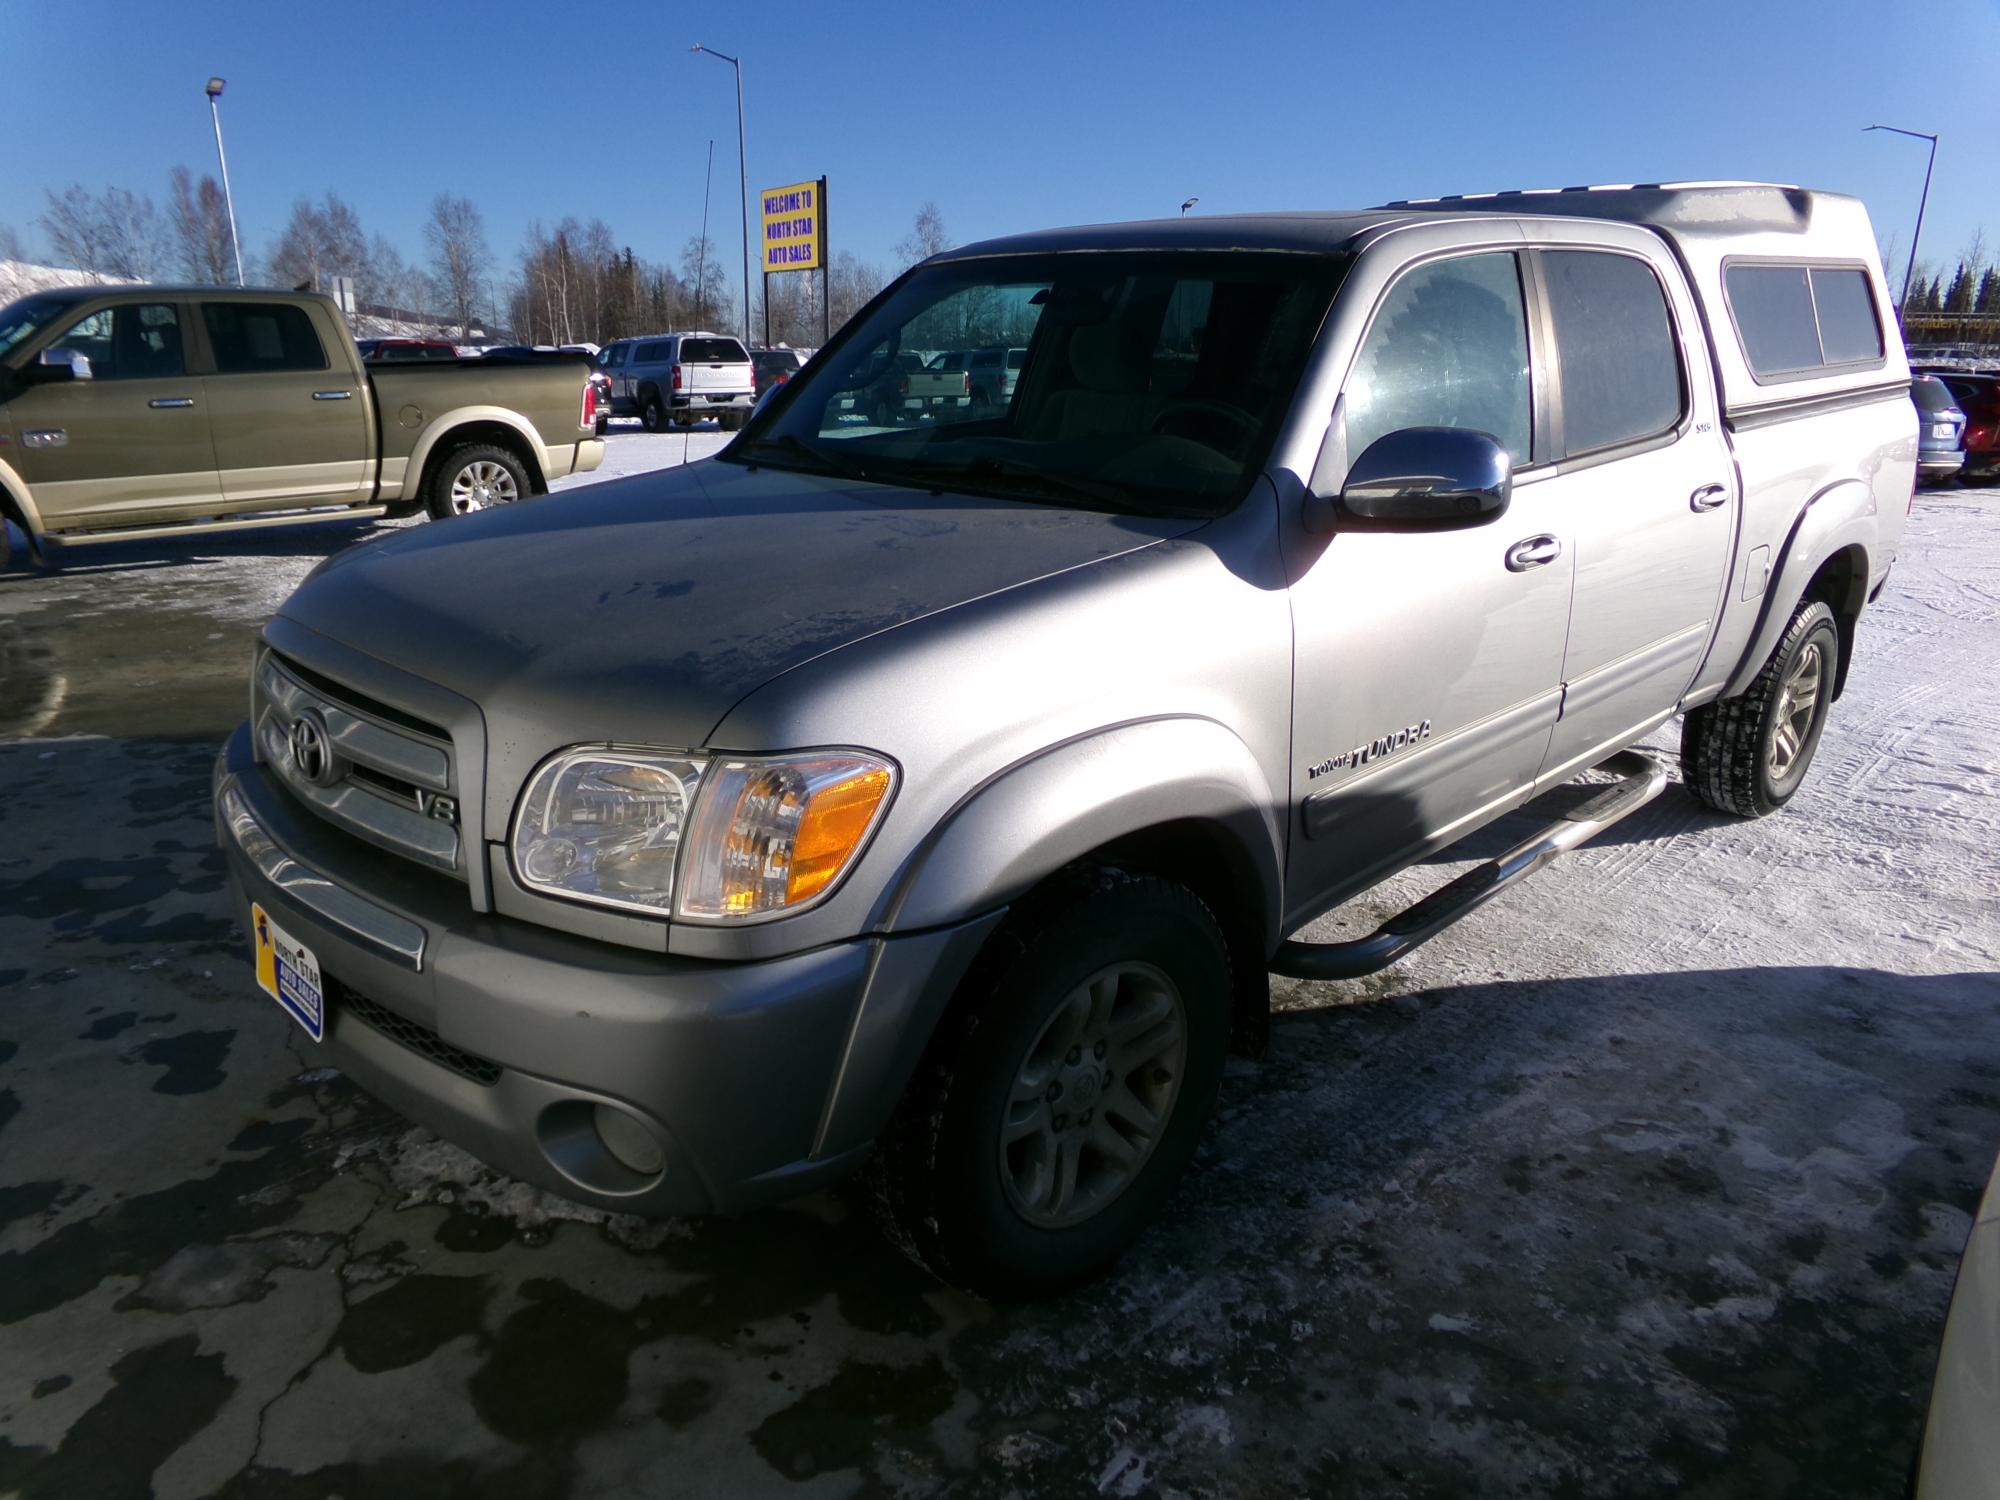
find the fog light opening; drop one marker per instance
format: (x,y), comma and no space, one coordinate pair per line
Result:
(627,1139)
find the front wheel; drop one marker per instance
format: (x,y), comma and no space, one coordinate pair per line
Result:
(1748,754)
(475,477)
(1066,1090)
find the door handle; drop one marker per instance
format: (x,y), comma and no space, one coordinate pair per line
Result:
(333,395)
(1708,497)
(1532,552)
(164,401)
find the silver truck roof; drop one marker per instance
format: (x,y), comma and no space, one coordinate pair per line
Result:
(1682,209)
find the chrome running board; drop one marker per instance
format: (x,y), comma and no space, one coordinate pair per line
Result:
(1643,779)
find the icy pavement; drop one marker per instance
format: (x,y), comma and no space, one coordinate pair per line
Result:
(1650,1178)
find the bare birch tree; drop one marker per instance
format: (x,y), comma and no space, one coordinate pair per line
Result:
(456,237)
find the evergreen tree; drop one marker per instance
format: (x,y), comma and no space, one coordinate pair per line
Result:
(1959,298)
(1987,301)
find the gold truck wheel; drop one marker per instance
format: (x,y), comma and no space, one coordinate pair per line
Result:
(476,477)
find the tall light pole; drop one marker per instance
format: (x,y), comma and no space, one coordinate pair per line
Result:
(742,178)
(215,114)
(1910,272)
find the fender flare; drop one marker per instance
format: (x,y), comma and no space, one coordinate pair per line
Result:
(1032,818)
(1841,516)
(1012,831)
(445,424)
(14,489)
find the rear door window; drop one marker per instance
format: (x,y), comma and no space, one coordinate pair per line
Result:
(1448,348)
(1621,366)
(713,352)
(250,338)
(651,354)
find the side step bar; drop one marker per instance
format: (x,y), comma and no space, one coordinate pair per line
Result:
(1643,779)
(212,528)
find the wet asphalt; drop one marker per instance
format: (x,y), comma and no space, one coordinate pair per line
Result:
(1650,1179)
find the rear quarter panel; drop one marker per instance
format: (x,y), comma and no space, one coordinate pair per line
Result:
(419,404)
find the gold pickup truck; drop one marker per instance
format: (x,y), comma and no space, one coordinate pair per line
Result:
(141,411)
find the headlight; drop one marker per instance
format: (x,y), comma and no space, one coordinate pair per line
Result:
(730,839)
(772,836)
(605,826)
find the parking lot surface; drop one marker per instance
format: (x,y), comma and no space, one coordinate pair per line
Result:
(1650,1178)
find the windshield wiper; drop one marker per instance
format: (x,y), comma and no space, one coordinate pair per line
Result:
(822,460)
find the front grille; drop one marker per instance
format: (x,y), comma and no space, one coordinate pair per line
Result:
(417,1037)
(393,778)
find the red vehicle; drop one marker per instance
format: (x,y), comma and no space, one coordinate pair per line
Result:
(1977,393)
(406,350)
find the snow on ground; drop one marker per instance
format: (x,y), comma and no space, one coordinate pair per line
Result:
(629,449)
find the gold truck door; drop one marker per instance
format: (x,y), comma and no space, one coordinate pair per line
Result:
(127,442)
(291,426)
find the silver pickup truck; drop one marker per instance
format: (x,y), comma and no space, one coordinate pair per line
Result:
(940,797)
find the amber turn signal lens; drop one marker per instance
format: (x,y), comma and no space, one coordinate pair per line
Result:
(834,822)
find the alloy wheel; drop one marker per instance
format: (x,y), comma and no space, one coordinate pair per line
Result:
(1092,1096)
(481,484)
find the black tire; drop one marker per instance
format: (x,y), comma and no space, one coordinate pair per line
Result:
(601,424)
(652,414)
(6,542)
(940,1183)
(445,473)
(1727,747)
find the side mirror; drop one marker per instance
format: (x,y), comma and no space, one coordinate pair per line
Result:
(1427,479)
(58,365)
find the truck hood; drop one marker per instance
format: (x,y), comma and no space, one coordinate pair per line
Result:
(643,609)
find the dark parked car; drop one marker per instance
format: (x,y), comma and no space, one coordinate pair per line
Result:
(773,367)
(881,388)
(1977,393)
(404,351)
(1940,430)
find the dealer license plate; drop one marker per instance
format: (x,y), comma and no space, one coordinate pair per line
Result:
(288,973)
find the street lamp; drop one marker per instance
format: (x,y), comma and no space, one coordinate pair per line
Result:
(742,178)
(214,92)
(1188,205)
(1911,271)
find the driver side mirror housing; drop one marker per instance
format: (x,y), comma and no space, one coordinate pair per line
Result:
(55,366)
(1420,479)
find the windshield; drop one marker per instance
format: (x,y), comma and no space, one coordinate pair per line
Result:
(22,320)
(1145,381)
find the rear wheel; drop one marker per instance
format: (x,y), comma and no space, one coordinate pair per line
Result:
(1067,1089)
(1748,754)
(601,424)
(475,477)
(652,414)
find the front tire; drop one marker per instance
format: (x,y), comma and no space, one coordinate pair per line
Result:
(1066,1090)
(475,477)
(1748,755)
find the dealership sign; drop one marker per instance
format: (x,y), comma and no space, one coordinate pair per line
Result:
(794,227)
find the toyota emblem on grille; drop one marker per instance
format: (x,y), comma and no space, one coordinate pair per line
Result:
(312,749)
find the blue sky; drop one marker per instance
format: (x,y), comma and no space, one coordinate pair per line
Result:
(1010,117)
